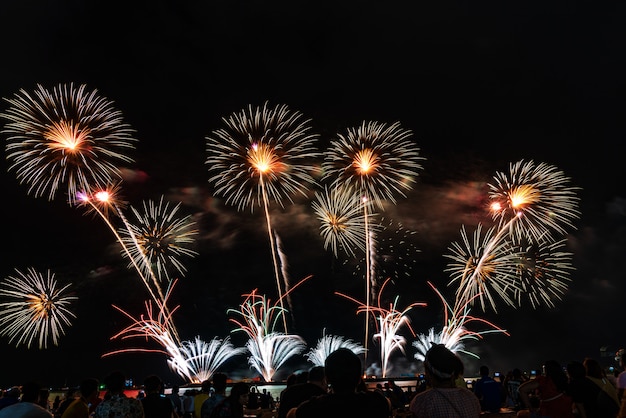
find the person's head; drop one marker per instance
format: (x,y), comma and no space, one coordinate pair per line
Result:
(115,382)
(175,389)
(317,374)
(30,392)
(219,382)
(343,370)
(152,384)
(302,377)
(484,371)
(291,379)
(89,388)
(517,373)
(205,386)
(593,368)
(239,393)
(576,370)
(441,365)
(554,371)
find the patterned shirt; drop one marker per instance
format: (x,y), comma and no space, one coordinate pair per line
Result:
(445,403)
(119,406)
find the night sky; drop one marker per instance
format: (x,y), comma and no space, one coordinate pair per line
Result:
(480,85)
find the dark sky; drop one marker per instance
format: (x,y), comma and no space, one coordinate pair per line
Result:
(479,85)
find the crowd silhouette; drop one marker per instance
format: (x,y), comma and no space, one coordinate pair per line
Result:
(580,389)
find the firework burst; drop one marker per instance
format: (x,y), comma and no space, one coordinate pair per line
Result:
(340,212)
(544,273)
(485,266)
(520,257)
(68,135)
(377,159)
(538,197)
(329,343)
(262,154)
(162,239)
(34,308)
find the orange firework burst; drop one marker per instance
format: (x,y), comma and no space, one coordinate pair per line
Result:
(65,136)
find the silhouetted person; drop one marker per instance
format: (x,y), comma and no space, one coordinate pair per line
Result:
(80,407)
(116,403)
(550,388)
(295,394)
(235,403)
(343,373)
(199,398)
(488,391)
(155,403)
(177,400)
(443,398)
(220,381)
(28,406)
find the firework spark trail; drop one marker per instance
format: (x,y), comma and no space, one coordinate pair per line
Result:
(187,359)
(33,307)
(388,321)
(107,200)
(329,343)
(531,204)
(380,161)
(455,328)
(259,317)
(262,153)
(65,136)
(284,272)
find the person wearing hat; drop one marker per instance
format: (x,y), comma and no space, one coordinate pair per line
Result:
(443,398)
(343,372)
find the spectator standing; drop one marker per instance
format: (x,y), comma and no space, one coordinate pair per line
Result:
(621,377)
(511,384)
(442,398)
(608,402)
(220,380)
(155,403)
(177,400)
(80,407)
(234,405)
(488,391)
(550,387)
(295,394)
(199,398)
(343,373)
(116,403)
(188,403)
